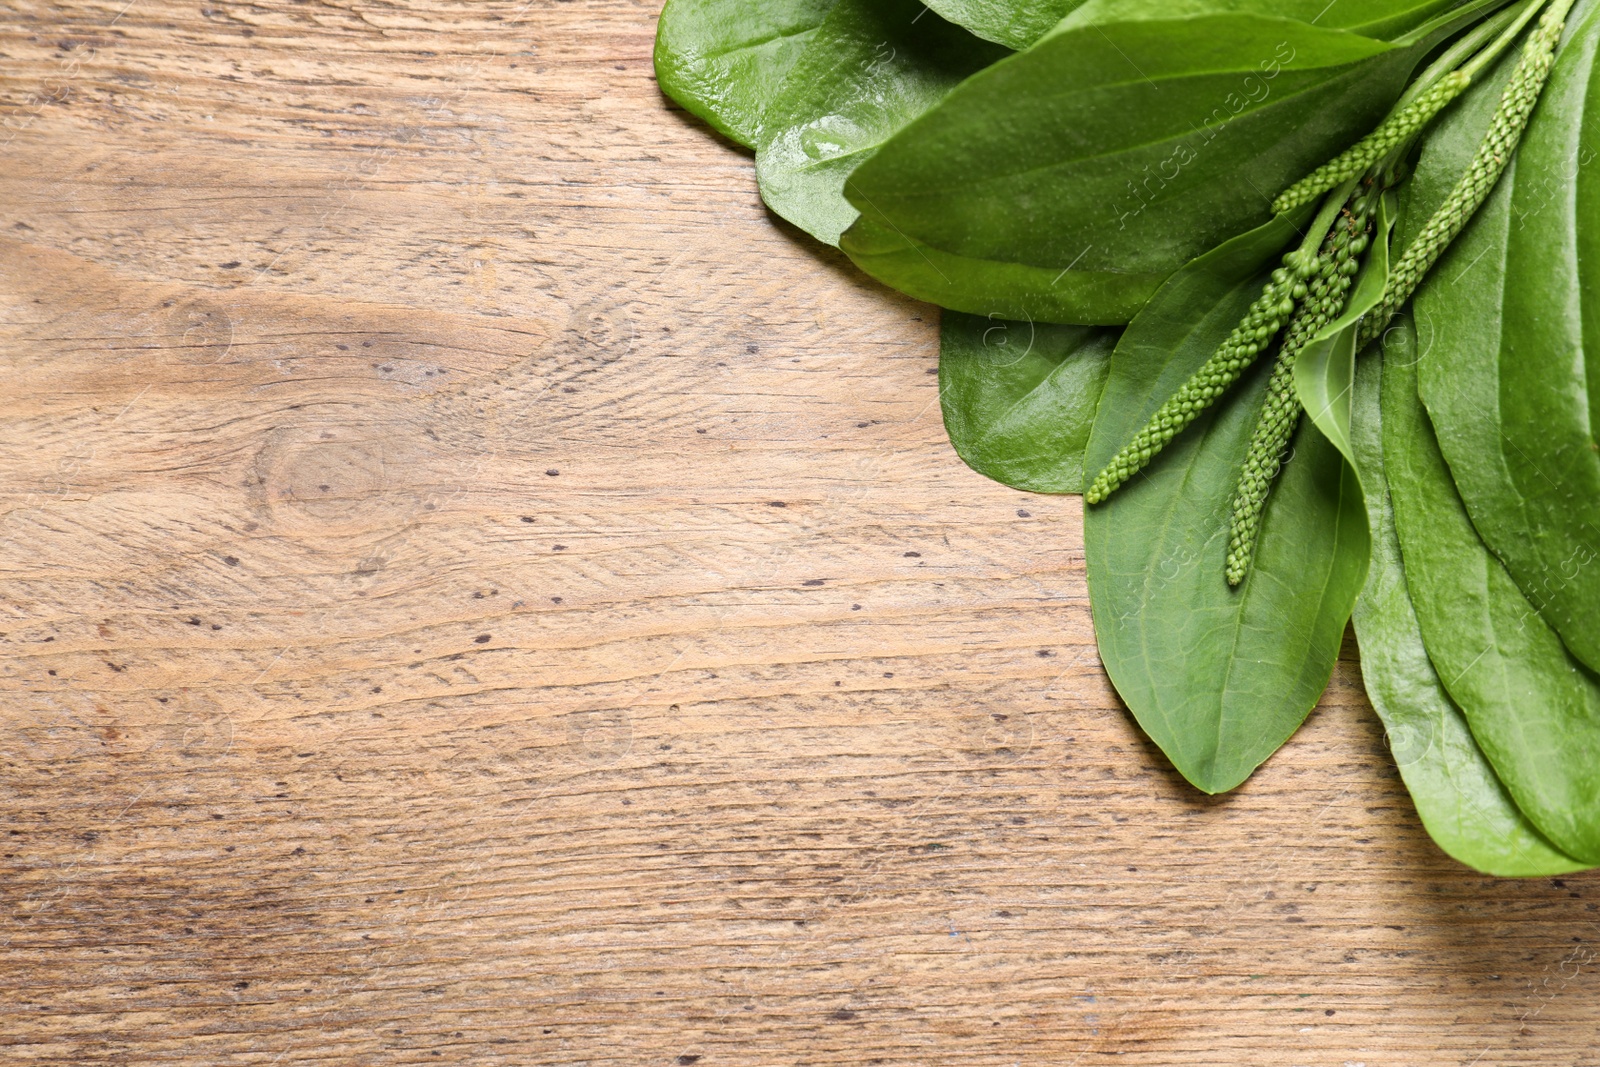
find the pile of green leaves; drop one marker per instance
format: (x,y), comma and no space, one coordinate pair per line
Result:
(1089,187)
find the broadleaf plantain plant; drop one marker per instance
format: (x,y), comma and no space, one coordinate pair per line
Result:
(1166,230)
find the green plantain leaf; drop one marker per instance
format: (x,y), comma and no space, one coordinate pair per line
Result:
(1510,372)
(1019,23)
(1382,19)
(723,59)
(1218,677)
(1533,709)
(1465,809)
(870,68)
(1066,182)
(994,286)
(1013,23)
(1463,805)
(1019,398)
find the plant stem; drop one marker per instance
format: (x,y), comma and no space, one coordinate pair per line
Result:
(1450,22)
(1464,49)
(1510,34)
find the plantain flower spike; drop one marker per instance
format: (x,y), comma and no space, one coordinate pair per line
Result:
(1355,160)
(1329,292)
(1494,153)
(1248,340)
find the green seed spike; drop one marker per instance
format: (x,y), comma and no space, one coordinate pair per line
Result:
(1251,337)
(1355,160)
(1254,334)
(1330,290)
(1494,153)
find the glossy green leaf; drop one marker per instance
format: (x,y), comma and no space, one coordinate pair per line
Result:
(1020,23)
(1460,801)
(996,287)
(1533,709)
(1382,19)
(870,68)
(724,59)
(1066,182)
(1218,677)
(1324,373)
(1510,322)
(1019,398)
(1014,23)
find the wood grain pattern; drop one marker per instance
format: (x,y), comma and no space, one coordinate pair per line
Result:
(478,590)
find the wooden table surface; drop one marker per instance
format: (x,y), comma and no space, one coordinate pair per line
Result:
(478,590)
